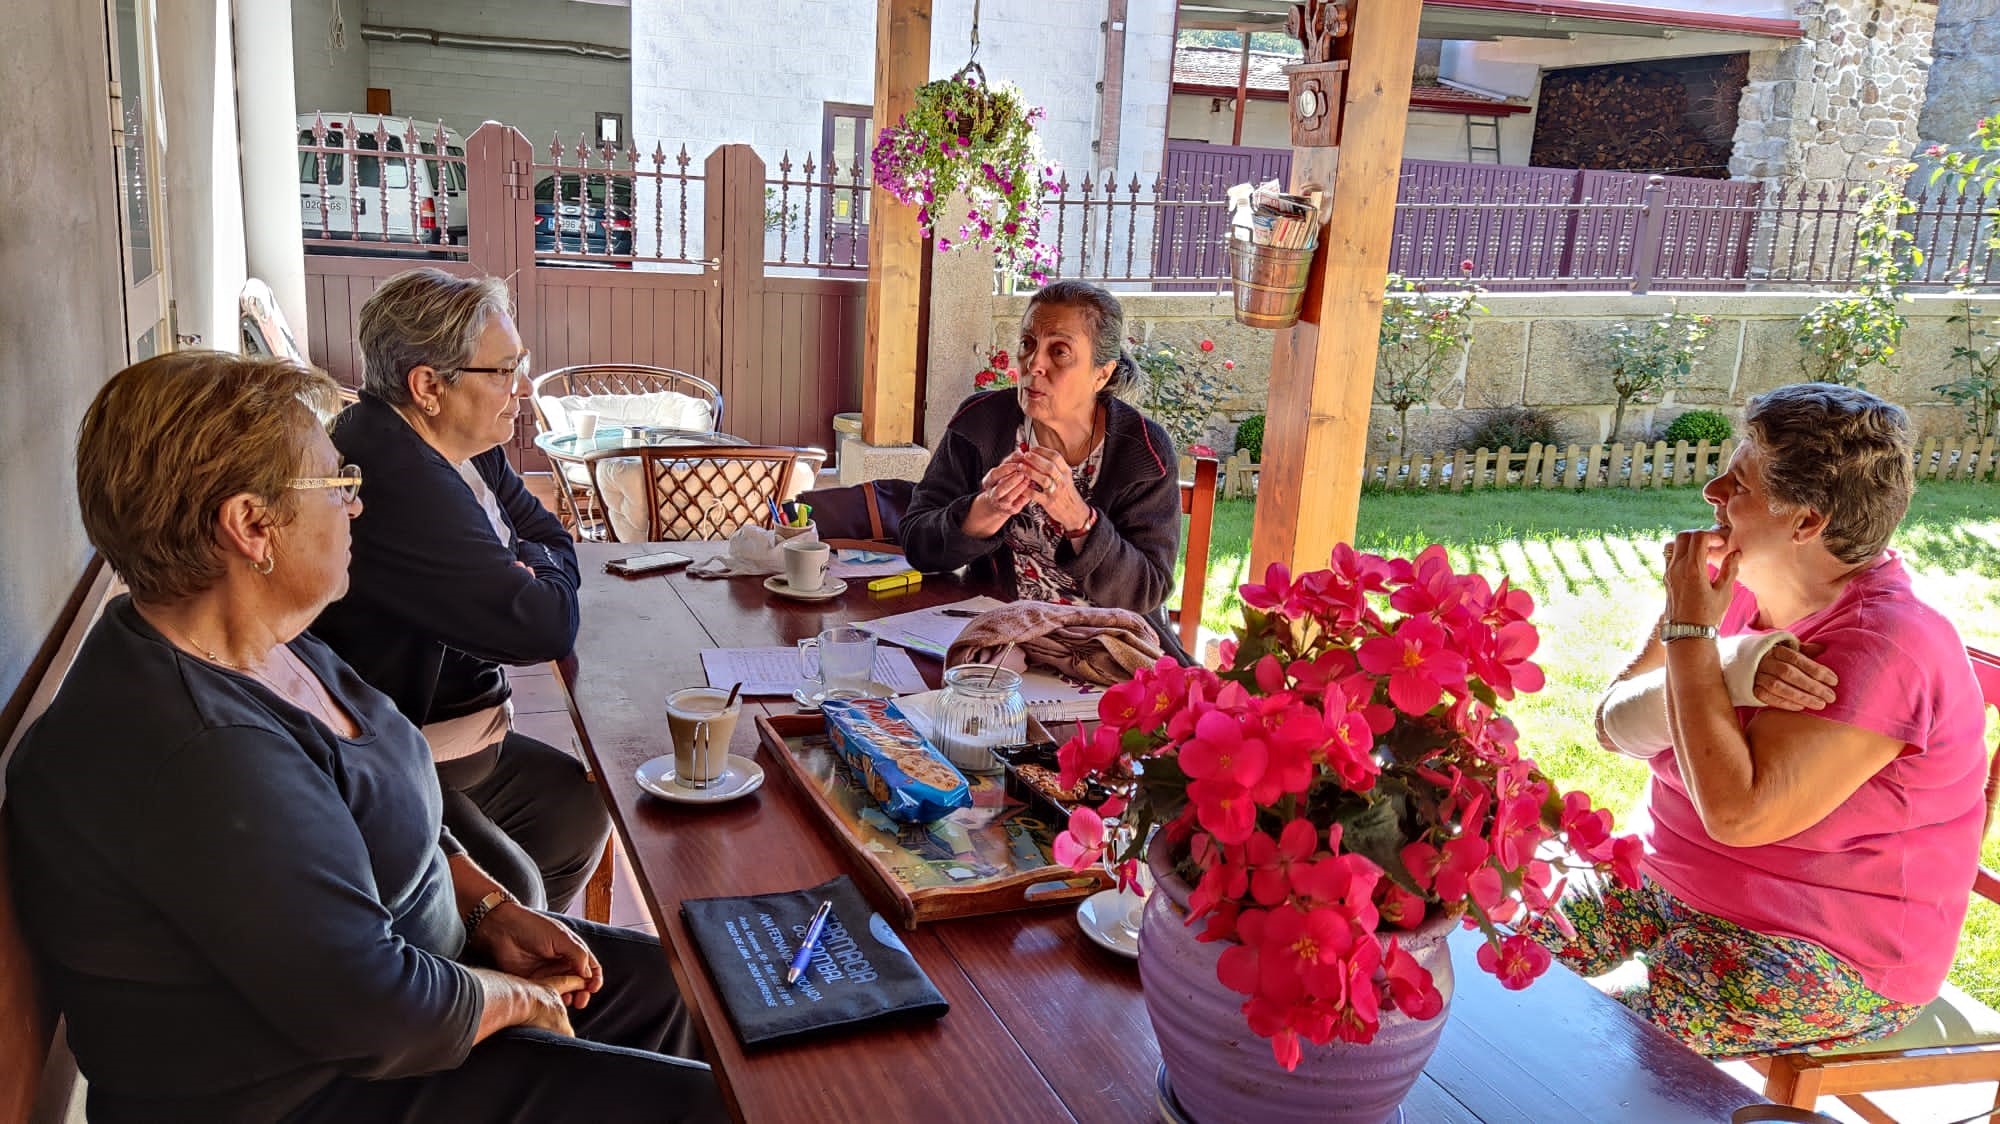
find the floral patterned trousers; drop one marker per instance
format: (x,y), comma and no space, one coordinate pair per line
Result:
(1725,990)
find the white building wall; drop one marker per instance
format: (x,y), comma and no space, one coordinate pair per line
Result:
(1149,68)
(542,94)
(329,63)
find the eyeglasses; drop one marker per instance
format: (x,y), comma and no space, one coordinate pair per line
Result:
(349,482)
(520,370)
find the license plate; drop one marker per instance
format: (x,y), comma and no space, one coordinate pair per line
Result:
(572,226)
(335,205)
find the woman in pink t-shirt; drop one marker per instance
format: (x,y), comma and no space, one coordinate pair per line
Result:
(1814,815)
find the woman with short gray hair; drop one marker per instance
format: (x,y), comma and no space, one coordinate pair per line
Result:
(1814,733)
(459,571)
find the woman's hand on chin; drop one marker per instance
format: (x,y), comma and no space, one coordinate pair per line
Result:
(1692,596)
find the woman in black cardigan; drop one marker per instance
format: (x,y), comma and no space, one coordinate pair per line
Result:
(1069,493)
(458,570)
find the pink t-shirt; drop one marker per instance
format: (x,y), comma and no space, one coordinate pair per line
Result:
(1882,882)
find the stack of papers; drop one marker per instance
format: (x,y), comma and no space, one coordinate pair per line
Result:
(931,630)
(1266,216)
(775,671)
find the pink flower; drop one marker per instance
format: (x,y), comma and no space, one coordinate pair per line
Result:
(1207,345)
(1082,843)
(1271,860)
(1198,450)
(1465,266)
(1410,985)
(1229,364)
(1418,662)
(1517,962)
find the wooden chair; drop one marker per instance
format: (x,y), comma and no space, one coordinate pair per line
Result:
(708,492)
(1198,504)
(30,1053)
(1955,1040)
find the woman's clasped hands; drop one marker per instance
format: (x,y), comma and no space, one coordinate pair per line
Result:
(1787,678)
(1034,476)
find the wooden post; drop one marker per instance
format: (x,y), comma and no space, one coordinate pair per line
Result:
(1323,370)
(895,245)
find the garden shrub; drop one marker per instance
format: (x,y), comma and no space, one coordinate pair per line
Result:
(1515,427)
(1250,438)
(1698,425)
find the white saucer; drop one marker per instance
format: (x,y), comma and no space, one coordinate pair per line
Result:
(1100,914)
(741,777)
(834,587)
(876,690)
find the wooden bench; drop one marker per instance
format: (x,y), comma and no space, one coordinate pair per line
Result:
(33,1086)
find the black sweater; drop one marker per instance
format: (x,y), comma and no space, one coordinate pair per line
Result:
(435,604)
(232,904)
(1127,559)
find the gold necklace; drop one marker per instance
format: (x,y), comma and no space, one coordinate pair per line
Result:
(299,681)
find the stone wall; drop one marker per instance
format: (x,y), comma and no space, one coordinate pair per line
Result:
(1839,106)
(1527,350)
(1965,79)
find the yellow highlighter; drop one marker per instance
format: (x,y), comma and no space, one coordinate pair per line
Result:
(895,583)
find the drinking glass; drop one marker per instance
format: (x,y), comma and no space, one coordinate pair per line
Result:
(838,662)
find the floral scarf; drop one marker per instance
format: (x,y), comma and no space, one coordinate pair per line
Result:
(1033,536)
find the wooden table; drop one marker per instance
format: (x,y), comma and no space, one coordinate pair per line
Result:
(1044,1025)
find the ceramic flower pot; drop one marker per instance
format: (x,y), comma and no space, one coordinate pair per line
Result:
(1222,1072)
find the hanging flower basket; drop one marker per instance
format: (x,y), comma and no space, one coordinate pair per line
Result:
(966,134)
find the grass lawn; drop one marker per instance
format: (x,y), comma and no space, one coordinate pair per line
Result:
(1592,562)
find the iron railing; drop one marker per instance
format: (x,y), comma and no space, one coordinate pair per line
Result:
(607,207)
(1170,235)
(373,185)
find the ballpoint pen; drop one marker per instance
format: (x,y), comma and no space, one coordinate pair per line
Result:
(806,943)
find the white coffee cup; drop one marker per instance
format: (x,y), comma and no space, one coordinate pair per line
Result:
(586,424)
(806,564)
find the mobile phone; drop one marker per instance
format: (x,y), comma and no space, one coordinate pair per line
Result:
(640,565)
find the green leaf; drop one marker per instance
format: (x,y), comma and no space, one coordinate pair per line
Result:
(1374,829)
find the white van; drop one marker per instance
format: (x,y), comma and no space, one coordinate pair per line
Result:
(384,208)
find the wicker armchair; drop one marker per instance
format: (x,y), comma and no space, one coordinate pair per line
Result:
(620,378)
(707,492)
(576,501)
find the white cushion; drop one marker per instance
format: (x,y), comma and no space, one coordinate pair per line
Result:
(666,408)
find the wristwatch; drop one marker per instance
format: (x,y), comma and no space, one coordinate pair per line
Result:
(1671,631)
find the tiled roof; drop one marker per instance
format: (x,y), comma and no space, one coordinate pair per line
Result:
(1212,68)
(1219,66)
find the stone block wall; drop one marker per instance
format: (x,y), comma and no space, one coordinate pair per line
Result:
(1965,78)
(1839,106)
(1544,351)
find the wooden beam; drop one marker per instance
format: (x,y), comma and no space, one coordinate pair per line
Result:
(1323,370)
(895,245)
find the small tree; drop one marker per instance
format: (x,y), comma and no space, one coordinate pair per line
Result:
(1845,335)
(1423,333)
(1651,358)
(1180,391)
(1978,392)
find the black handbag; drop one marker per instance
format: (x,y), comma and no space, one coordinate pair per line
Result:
(867,515)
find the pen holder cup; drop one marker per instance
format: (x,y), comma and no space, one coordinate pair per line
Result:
(787,533)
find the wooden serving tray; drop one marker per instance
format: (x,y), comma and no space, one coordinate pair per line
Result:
(990,858)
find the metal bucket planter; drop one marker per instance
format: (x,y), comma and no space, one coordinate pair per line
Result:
(1270,282)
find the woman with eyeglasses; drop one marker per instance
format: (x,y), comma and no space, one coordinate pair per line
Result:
(227,849)
(458,571)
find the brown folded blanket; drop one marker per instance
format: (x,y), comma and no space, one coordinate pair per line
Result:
(1101,646)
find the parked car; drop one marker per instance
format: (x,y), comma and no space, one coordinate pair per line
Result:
(385,208)
(571,215)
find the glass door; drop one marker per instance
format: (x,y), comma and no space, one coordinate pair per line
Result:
(135,108)
(846,139)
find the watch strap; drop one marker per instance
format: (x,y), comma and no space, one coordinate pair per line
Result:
(486,905)
(1671,631)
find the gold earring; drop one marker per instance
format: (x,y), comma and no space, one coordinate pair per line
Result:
(431,409)
(270,563)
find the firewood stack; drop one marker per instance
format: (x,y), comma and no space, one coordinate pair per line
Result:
(1623,119)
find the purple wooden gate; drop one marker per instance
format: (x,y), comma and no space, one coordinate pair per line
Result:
(1518,227)
(1190,240)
